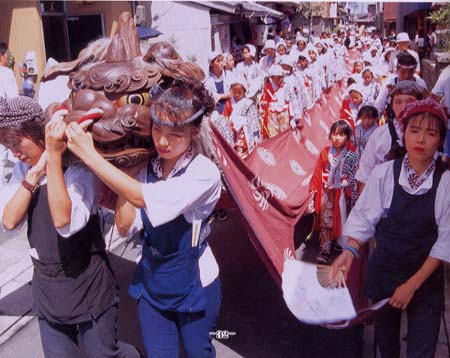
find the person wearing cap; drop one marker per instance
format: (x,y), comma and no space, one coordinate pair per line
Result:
(249,70)
(268,59)
(324,60)
(228,67)
(406,206)
(402,44)
(388,138)
(358,66)
(217,83)
(304,80)
(281,50)
(406,71)
(275,103)
(300,48)
(383,64)
(176,282)
(369,86)
(242,119)
(350,105)
(75,293)
(296,93)
(318,77)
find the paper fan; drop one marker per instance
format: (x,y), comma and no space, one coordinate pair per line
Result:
(325,278)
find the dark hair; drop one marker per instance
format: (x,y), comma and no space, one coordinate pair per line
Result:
(350,81)
(369,111)
(398,152)
(3,48)
(341,126)
(427,115)
(183,99)
(11,135)
(404,58)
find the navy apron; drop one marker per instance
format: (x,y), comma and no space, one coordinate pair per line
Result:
(404,238)
(168,275)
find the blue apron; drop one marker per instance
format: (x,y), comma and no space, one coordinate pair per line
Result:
(168,275)
(404,237)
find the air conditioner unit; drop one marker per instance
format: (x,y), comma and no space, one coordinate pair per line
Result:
(140,15)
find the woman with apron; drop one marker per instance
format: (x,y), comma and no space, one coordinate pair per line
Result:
(75,293)
(406,206)
(176,281)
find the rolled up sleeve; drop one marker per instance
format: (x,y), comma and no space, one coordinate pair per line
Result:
(197,189)
(82,185)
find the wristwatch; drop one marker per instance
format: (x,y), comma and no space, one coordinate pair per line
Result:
(30,187)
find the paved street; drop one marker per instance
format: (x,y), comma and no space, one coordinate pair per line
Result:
(252,306)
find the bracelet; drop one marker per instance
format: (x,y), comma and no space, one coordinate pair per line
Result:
(358,243)
(30,187)
(353,250)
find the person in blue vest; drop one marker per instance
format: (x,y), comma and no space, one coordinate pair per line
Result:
(406,206)
(75,293)
(176,281)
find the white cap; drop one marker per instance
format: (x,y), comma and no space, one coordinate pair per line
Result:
(275,70)
(299,37)
(269,44)
(402,37)
(355,87)
(281,43)
(212,56)
(238,80)
(286,60)
(252,49)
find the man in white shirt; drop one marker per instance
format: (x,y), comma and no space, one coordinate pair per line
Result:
(8,89)
(406,68)
(441,91)
(402,42)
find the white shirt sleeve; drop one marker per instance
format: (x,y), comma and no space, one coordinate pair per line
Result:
(82,185)
(377,147)
(8,191)
(439,87)
(194,193)
(374,200)
(441,248)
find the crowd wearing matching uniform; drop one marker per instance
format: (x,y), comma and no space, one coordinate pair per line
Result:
(369,182)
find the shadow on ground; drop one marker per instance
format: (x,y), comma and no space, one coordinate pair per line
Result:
(253,306)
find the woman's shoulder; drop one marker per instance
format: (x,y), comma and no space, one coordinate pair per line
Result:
(204,167)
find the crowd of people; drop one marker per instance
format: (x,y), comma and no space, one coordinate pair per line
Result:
(382,170)
(384,162)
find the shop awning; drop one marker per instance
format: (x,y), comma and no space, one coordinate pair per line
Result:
(254,9)
(248,9)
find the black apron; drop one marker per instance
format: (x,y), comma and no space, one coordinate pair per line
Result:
(72,281)
(404,237)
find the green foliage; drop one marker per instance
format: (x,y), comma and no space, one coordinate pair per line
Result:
(11,60)
(441,16)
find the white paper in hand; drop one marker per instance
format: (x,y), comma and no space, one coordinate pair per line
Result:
(308,300)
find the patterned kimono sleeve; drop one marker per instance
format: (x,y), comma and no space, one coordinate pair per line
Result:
(295,103)
(254,126)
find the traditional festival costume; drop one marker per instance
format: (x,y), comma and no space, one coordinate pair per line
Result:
(244,123)
(335,189)
(176,281)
